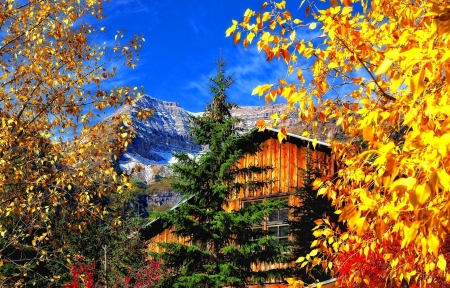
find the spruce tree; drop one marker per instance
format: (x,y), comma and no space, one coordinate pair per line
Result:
(221,245)
(312,207)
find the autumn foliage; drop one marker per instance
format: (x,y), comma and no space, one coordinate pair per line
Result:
(84,276)
(51,79)
(390,60)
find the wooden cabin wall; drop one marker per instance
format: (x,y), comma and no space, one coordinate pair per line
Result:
(287,160)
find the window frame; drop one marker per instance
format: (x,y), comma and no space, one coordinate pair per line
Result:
(280,223)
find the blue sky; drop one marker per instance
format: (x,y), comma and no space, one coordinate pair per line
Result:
(182,41)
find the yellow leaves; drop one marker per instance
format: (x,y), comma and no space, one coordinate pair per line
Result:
(332,65)
(261,124)
(410,233)
(281,5)
(394,185)
(433,244)
(282,135)
(420,195)
(346,10)
(292,36)
(250,37)
(417,84)
(397,80)
(300,259)
(237,38)
(347,212)
(261,89)
(314,143)
(231,29)
(368,133)
(403,184)
(442,263)
(384,66)
(444,179)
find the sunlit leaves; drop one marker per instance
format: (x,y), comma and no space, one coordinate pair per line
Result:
(51,88)
(390,62)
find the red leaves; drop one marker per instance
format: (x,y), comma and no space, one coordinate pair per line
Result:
(146,276)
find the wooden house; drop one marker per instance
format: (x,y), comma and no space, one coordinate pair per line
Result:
(286,160)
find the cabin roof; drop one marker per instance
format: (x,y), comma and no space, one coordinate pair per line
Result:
(155,226)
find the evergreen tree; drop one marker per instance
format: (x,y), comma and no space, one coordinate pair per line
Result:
(312,207)
(221,245)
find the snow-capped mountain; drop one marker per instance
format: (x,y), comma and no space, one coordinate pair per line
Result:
(167,132)
(157,137)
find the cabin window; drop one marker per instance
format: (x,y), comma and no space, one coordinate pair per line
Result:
(275,222)
(276,225)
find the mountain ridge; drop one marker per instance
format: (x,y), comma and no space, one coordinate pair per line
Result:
(167,132)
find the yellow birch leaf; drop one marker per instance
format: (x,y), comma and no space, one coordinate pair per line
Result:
(229,31)
(366,251)
(361,226)
(433,244)
(312,26)
(384,66)
(237,38)
(300,259)
(314,243)
(281,136)
(261,124)
(444,179)
(256,90)
(290,280)
(417,84)
(292,36)
(424,245)
(266,16)
(250,36)
(442,263)
(314,143)
(282,81)
(348,211)
(317,183)
(396,82)
(423,192)
(290,69)
(410,233)
(368,133)
(332,65)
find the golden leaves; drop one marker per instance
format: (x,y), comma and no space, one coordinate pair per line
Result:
(237,38)
(384,66)
(394,66)
(44,94)
(261,124)
(282,135)
(261,89)
(231,29)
